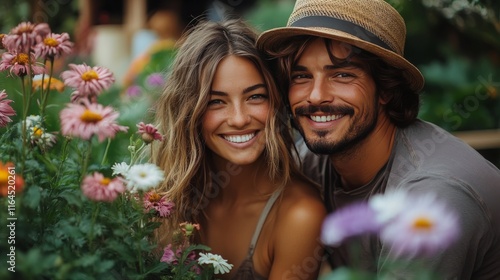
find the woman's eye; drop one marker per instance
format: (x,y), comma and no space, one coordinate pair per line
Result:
(214,102)
(258,96)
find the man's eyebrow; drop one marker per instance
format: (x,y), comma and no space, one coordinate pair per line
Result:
(343,64)
(246,90)
(299,68)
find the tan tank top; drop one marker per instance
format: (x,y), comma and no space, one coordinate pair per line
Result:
(246,270)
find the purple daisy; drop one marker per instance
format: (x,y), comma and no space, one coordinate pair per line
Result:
(426,227)
(352,220)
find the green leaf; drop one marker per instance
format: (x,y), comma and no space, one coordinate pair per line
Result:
(72,197)
(31,197)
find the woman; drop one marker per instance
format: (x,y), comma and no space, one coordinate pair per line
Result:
(228,161)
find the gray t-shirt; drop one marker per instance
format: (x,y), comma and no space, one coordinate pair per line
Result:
(425,158)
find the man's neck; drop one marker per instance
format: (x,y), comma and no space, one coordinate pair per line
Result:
(365,161)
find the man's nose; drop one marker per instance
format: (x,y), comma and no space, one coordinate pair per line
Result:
(320,93)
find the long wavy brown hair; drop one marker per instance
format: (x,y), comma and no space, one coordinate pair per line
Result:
(179,111)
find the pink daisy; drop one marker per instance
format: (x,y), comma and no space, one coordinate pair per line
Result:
(88,119)
(153,200)
(5,109)
(25,35)
(148,132)
(54,45)
(99,188)
(168,255)
(19,64)
(88,81)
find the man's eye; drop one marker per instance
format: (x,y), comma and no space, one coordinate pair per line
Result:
(299,76)
(343,75)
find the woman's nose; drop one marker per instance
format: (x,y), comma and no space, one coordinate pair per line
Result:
(239,117)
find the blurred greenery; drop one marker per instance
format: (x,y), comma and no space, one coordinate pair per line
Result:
(131,113)
(455,43)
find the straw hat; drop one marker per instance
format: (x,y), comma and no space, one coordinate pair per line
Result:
(372,25)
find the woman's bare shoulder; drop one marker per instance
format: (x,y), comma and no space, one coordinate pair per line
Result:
(301,199)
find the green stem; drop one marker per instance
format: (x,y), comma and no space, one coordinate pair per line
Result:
(138,206)
(86,159)
(44,93)
(26,100)
(134,155)
(106,152)
(91,231)
(139,258)
(64,156)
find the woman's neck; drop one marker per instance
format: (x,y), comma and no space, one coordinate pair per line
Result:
(235,183)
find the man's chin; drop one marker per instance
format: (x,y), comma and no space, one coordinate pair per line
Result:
(319,146)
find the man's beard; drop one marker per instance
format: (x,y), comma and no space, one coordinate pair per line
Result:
(358,130)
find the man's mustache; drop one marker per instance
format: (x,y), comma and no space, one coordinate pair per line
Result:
(334,110)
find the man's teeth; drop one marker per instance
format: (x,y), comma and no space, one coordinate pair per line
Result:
(240,138)
(325,118)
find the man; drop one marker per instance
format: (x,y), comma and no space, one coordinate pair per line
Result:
(354,99)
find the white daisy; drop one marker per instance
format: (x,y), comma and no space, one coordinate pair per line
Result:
(33,120)
(388,205)
(120,168)
(221,266)
(144,176)
(425,227)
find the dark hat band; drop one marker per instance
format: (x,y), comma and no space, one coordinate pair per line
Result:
(341,25)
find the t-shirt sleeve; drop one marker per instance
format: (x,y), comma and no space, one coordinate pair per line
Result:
(457,260)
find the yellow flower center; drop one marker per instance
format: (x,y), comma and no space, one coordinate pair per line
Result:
(37,131)
(25,29)
(105,181)
(90,75)
(22,58)
(51,42)
(4,177)
(90,117)
(423,223)
(154,197)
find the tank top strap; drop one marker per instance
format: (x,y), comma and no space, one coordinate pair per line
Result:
(262,219)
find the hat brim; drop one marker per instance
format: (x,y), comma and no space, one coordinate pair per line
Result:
(274,39)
